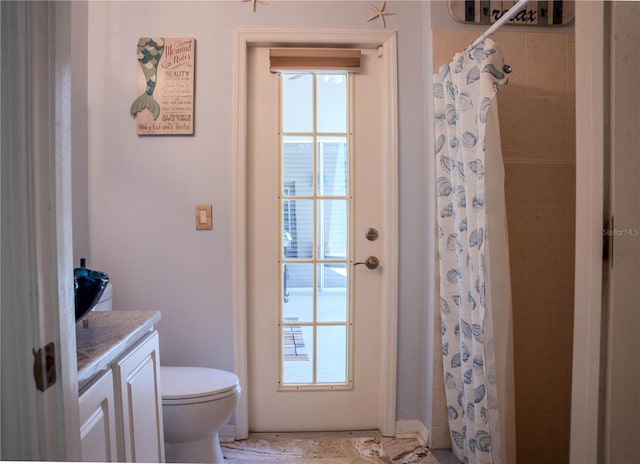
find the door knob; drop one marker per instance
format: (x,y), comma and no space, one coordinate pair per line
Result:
(371,262)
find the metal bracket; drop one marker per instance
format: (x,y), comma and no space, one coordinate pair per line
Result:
(44,366)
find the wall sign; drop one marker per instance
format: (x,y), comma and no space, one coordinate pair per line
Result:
(534,13)
(165,86)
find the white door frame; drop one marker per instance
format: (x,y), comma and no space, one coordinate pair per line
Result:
(385,42)
(37,263)
(591,104)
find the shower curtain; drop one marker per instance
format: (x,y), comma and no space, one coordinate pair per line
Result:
(475,295)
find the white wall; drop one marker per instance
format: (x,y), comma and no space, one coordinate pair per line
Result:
(142,190)
(79,144)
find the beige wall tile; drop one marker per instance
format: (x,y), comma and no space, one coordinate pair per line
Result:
(551,283)
(535,183)
(513,121)
(571,125)
(542,337)
(538,155)
(540,231)
(571,69)
(547,126)
(439,403)
(520,231)
(541,440)
(547,64)
(454,41)
(550,238)
(437,50)
(514,51)
(440,438)
(520,289)
(512,154)
(539,390)
(565,420)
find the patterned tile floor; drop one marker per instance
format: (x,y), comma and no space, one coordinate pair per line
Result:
(331,449)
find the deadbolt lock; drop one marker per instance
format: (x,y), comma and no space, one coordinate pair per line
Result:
(372,234)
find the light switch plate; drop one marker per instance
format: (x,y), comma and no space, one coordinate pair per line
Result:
(204,217)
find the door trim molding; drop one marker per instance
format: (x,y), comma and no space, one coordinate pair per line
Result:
(591,104)
(386,43)
(37,287)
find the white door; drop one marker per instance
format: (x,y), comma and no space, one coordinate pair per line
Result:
(314,189)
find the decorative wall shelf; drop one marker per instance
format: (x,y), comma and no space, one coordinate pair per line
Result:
(534,13)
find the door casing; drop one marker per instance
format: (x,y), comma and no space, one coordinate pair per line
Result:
(591,103)
(37,287)
(386,43)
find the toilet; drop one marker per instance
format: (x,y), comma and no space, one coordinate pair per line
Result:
(196,403)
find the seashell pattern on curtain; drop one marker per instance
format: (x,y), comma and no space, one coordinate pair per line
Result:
(463,93)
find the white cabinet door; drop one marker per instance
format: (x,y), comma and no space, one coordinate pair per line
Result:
(98,421)
(137,385)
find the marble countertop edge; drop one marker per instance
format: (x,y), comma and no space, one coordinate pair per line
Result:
(103,336)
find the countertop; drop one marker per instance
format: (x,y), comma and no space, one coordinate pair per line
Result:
(106,335)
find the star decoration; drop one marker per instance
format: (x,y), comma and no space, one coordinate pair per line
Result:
(379,12)
(256,1)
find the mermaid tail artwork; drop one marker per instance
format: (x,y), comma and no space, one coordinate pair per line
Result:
(149,53)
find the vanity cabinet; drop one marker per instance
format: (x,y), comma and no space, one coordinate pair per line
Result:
(121,404)
(98,421)
(139,401)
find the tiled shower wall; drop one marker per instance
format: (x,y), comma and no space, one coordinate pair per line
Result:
(537,126)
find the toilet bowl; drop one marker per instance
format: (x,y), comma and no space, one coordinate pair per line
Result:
(196,402)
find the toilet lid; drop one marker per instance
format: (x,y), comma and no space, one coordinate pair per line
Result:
(195,382)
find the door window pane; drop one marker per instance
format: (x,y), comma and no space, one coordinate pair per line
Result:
(297,166)
(332,166)
(332,354)
(297,229)
(332,229)
(297,354)
(332,102)
(331,292)
(297,292)
(297,102)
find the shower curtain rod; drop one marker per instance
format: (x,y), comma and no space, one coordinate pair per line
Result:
(498,24)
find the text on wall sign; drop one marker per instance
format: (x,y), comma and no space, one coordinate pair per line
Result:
(534,13)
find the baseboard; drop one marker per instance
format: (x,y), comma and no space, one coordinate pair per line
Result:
(404,429)
(413,429)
